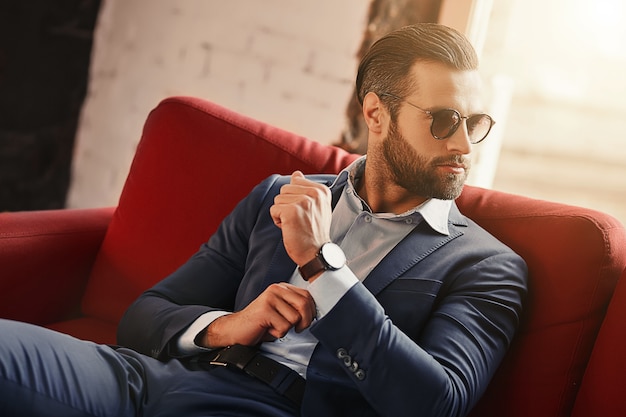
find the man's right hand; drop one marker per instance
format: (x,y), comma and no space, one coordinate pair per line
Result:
(270,316)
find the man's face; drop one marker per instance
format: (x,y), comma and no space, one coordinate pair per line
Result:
(421,175)
(418,162)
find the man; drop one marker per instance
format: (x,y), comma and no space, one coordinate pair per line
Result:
(371,286)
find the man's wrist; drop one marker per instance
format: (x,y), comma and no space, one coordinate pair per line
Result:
(190,342)
(210,337)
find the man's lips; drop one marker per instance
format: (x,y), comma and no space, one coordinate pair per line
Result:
(453,167)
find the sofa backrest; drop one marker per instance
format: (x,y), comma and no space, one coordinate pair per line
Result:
(197,159)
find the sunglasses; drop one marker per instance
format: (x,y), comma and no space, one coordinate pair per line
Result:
(445,122)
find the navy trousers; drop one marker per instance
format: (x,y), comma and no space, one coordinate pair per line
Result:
(45,373)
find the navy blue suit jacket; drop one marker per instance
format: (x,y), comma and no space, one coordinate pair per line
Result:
(427,328)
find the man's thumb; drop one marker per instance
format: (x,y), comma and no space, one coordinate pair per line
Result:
(297,174)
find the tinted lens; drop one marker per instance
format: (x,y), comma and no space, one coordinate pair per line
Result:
(445,123)
(478,126)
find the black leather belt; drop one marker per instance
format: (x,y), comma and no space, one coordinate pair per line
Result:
(281,378)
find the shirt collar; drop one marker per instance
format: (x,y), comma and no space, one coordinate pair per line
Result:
(434,211)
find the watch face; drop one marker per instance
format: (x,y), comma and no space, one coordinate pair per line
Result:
(333,256)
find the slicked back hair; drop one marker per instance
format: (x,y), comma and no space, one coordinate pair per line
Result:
(386,67)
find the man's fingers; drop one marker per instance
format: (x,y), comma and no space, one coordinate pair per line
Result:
(299,184)
(279,308)
(295,305)
(275,213)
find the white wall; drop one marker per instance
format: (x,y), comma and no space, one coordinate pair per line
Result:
(289,63)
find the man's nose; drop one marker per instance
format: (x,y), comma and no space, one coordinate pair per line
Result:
(460,140)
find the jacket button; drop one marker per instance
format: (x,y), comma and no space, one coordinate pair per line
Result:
(347,361)
(360,374)
(354,366)
(342,353)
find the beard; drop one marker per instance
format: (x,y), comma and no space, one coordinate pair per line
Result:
(416,174)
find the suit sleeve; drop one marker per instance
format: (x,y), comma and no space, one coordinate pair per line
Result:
(207,282)
(447,368)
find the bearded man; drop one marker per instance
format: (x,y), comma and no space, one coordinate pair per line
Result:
(362,294)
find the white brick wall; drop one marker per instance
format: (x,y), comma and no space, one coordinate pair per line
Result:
(287,62)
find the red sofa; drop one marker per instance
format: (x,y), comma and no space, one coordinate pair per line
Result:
(77,270)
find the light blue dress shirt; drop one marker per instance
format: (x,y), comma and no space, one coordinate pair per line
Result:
(365,237)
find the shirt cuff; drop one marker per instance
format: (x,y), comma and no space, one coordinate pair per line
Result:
(186,344)
(328,288)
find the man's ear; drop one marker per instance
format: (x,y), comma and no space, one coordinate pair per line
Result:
(373,112)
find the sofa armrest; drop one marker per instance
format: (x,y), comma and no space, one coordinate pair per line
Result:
(45,261)
(602,390)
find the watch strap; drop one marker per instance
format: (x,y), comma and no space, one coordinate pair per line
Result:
(312,268)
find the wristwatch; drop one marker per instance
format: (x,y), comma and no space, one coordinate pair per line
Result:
(330,257)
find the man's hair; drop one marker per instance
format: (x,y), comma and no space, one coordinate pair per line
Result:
(386,67)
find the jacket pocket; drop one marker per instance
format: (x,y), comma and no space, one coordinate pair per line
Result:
(409,301)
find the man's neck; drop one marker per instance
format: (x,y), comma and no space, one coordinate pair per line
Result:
(383,195)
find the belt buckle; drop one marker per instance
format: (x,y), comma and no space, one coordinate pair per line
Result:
(215,361)
(237,356)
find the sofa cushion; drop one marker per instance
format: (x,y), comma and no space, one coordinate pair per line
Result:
(87,328)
